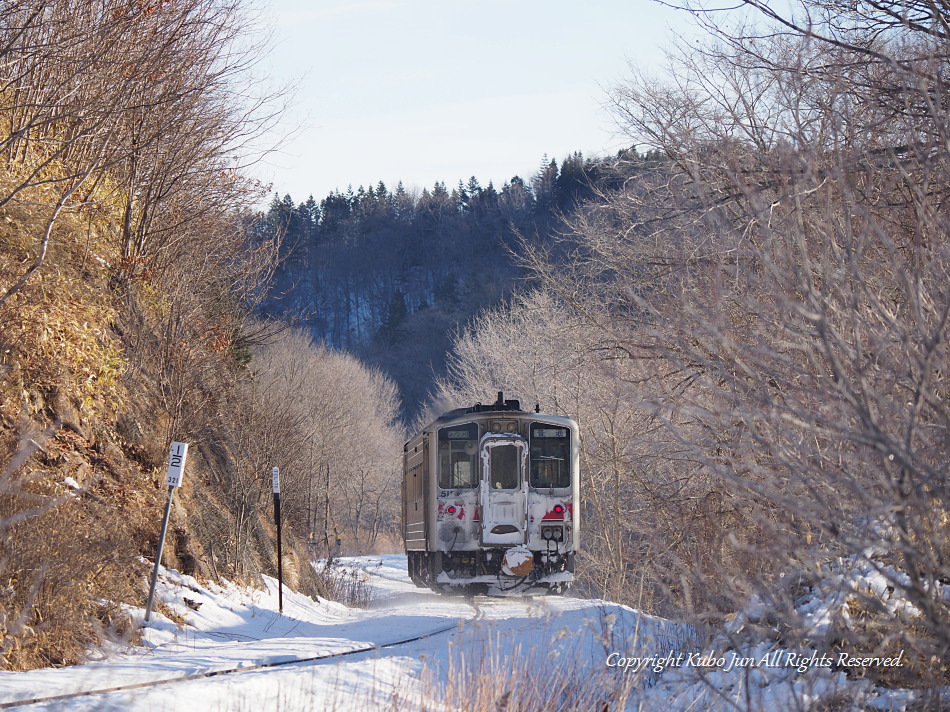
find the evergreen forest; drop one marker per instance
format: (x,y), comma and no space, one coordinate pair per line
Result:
(391,275)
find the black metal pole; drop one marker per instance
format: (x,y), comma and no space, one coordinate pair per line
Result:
(280,558)
(158,556)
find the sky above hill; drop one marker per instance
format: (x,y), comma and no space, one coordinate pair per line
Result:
(424,91)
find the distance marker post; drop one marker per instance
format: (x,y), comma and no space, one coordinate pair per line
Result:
(176,471)
(280,558)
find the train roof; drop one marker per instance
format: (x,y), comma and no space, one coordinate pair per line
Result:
(499,406)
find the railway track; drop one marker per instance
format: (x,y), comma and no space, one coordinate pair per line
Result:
(234,671)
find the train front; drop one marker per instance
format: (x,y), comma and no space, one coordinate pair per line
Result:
(507,515)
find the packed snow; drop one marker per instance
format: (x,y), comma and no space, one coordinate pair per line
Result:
(413,649)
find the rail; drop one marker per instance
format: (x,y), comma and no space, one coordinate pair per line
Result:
(228,671)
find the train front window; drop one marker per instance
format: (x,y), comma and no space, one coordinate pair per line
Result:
(458,456)
(503,466)
(550,456)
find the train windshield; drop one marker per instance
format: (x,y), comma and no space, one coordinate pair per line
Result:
(503,466)
(458,456)
(550,456)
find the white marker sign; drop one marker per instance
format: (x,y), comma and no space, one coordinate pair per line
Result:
(176,464)
(276,473)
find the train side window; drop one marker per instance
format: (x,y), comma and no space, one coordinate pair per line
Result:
(458,456)
(550,456)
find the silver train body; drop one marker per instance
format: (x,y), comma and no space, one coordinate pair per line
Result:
(490,502)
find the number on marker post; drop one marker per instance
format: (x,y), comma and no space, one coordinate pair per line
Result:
(176,464)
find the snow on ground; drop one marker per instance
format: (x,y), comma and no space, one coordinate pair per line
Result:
(240,628)
(594,650)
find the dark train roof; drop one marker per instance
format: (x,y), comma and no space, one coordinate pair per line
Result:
(499,406)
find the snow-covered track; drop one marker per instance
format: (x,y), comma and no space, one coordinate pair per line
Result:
(232,671)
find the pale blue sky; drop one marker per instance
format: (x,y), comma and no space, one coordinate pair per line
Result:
(420,90)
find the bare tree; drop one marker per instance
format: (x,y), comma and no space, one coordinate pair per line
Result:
(123,130)
(148,93)
(330,424)
(778,287)
(644,506)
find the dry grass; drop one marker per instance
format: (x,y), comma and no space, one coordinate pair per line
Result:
(57,565)
(346,586)
(56,333)
(882,632)
(489,676)
(63,550)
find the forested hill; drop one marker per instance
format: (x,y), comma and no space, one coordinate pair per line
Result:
(388,274)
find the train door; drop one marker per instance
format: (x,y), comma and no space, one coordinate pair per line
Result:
(504,491)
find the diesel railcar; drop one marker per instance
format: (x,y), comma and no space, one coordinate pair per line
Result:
(490,501)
